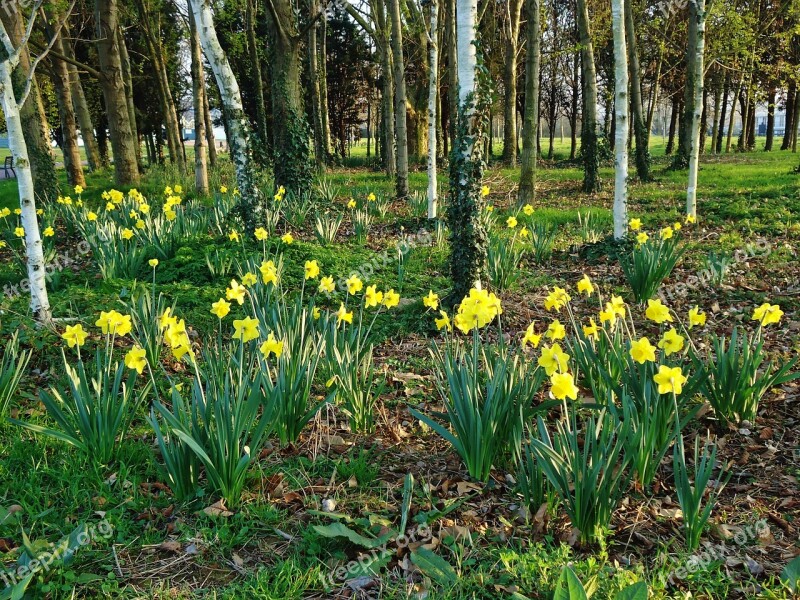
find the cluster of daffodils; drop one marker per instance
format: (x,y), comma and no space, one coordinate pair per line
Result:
(280,194)
(476,311)
(665,233)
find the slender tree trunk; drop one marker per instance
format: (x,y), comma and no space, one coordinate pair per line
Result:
(715,118)
(400,99)
(639,127)
(210,138)
(654,96)
(589,146)
(511,34)
(198,91)
(795,123)
(452,68)
(673,123)
(527,179)
(698,14)
(323,84)
(40,305)
(127,78)
(704,122)
(722,113)
(238,129)
(320,155)
(262,133)
(122,130)
(681,160)
(621,104)
(732,117)
(433,87)
(770,120)
(73,164)
(791,100)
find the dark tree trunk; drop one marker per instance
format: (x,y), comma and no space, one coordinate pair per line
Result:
(791,98)
(770,120)
(640,133)
(673,123)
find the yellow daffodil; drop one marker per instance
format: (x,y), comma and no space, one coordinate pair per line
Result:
(489,208)
(223,189)
(431,300)
(19,232)
(670,379)
(690,219)
(235,292)
(153,262)
(443,322)
(511,222)
(391,299)
(272,346)
(528,210)
(666,233)
(167,319)
(178,189)
(49,232)
(591,330)
(767,314)
(220,308)
(608,315)
(617,304)
(556,331)
(354,285)
(642,237)
(316,313)
(562,386)
(261,234)
(371,197)
(671,342)
(351,203)
(135,359)
(327,285)
(74,335)
(372,297)
(110,206)
(523,233)
(485,191)
(553,359)
(585,286)
(311,269)
(343,315)
(635,224)
(144,208)
(78,189)
(233,235)
(657,312)
(249,279)
(170,214)
(245,329)
(677,226)
(269,272)
(696,317)
(114,323)
(287,238)
(477,310)
(140,224)
(126,234)
(643,351)
(557,299)
(91,216)
(531,337)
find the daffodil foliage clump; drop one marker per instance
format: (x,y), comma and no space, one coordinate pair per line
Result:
(622,386)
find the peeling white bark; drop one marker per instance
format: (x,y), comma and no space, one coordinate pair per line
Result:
(621,104)
(432,89)
(694,158)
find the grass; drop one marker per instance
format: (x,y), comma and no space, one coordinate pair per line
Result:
(269,549)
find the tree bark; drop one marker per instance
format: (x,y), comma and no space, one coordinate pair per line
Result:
(262,134)
(621,105)
(400,99)
(698,14)
(122,130)
(673,123)
(589,145)
(640,131)
(511,34)
(238,129)
(791,99)
(210,138)
(573,114)
(198,91)
(770,120)
(530,150)
(433,87)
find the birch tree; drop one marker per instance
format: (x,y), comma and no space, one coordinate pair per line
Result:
(467,234)
(698,12)
(12,101)
(238,128)
(621,103)
(433,87)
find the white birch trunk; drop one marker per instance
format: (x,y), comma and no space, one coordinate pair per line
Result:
(40,305)
(694,157)
(467,17)
(432,89)
(230,95)
(621,104)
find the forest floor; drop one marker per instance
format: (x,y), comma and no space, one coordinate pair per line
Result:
(148,545)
